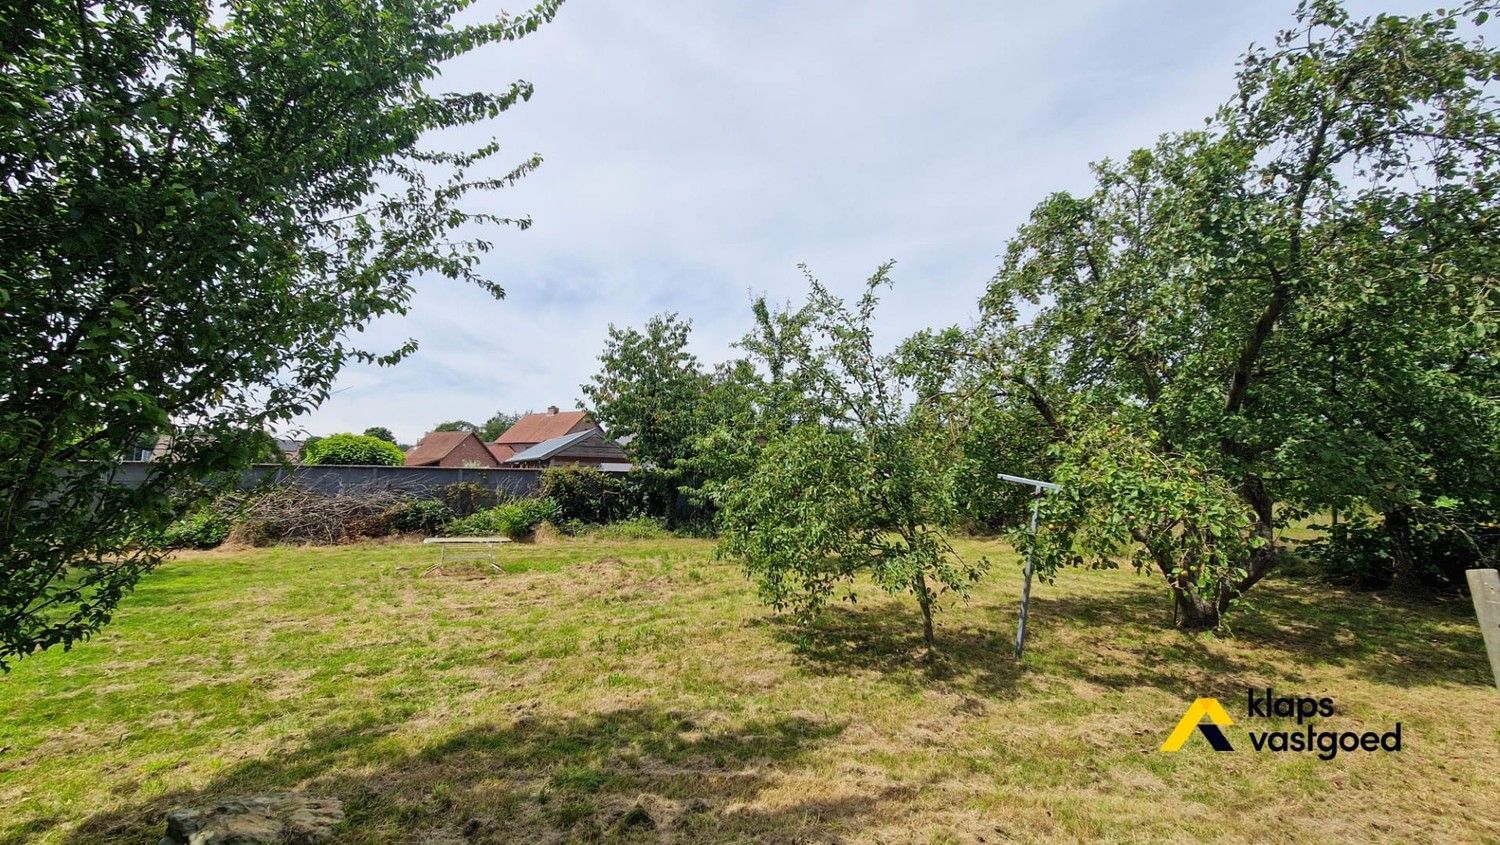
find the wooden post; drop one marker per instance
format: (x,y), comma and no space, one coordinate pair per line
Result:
(1484,587)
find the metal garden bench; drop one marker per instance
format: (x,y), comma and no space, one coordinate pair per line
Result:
(457,549)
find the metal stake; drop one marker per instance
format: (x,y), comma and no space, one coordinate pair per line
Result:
(1036,501)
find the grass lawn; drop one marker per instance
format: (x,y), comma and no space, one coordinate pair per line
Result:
(596,676)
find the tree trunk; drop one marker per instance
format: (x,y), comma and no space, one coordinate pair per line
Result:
(924,599)
(1195,612)
(1192,612)
(1265,558)
(1403,563)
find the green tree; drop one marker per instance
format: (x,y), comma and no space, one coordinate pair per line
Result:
(307,444)
(992,438)
(380,432)
(1290,310)
(497,425)
(737,404)
(764,393)
(650,387)
(357,449)
(854,482)
(456,425)
(985,431)
(200,205)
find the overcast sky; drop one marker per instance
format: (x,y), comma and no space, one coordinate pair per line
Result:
(697,152)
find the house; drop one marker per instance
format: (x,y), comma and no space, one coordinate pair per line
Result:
(558,438)
(532,429)
(450,449)
(588,447)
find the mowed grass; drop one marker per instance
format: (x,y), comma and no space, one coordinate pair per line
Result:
(593,678)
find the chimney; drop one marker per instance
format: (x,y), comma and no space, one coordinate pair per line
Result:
(551,410)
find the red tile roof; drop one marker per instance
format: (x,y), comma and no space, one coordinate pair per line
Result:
(434,446)
(536,428)
(501,451)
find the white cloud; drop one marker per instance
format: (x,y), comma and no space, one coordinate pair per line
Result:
(696,151)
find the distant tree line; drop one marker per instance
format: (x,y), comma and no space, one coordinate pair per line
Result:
(491,429)
(362,449)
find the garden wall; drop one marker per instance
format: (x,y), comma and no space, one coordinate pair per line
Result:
(332,479)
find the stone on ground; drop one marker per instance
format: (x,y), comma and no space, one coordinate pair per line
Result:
(281,818)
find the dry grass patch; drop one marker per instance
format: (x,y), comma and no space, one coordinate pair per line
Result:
(635,691)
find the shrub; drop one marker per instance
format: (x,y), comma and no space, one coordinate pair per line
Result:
(371,525)
(419,516)
(478,524)
(659,493)
(203,529)
(1357,556)
(515,520)
(586,494)
(466,498)
(352,449)
(1376,553)
(380,432)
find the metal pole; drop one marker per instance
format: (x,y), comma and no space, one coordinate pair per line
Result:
(1036,500)
(1037,488)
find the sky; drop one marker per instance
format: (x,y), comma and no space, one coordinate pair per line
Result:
(696,153)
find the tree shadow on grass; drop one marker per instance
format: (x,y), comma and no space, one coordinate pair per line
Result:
(886,639)
(1068,638)
(1387,638)
(1123,638)
(546,779)
(1286,628)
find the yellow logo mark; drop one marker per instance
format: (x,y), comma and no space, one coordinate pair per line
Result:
(1211,708)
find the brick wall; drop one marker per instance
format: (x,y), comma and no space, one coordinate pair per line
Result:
(471,449)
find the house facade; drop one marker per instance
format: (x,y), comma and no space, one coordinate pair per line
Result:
(558,438)
(450,449)
(532,429)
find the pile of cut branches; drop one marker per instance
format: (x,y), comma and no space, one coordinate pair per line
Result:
(291,514)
